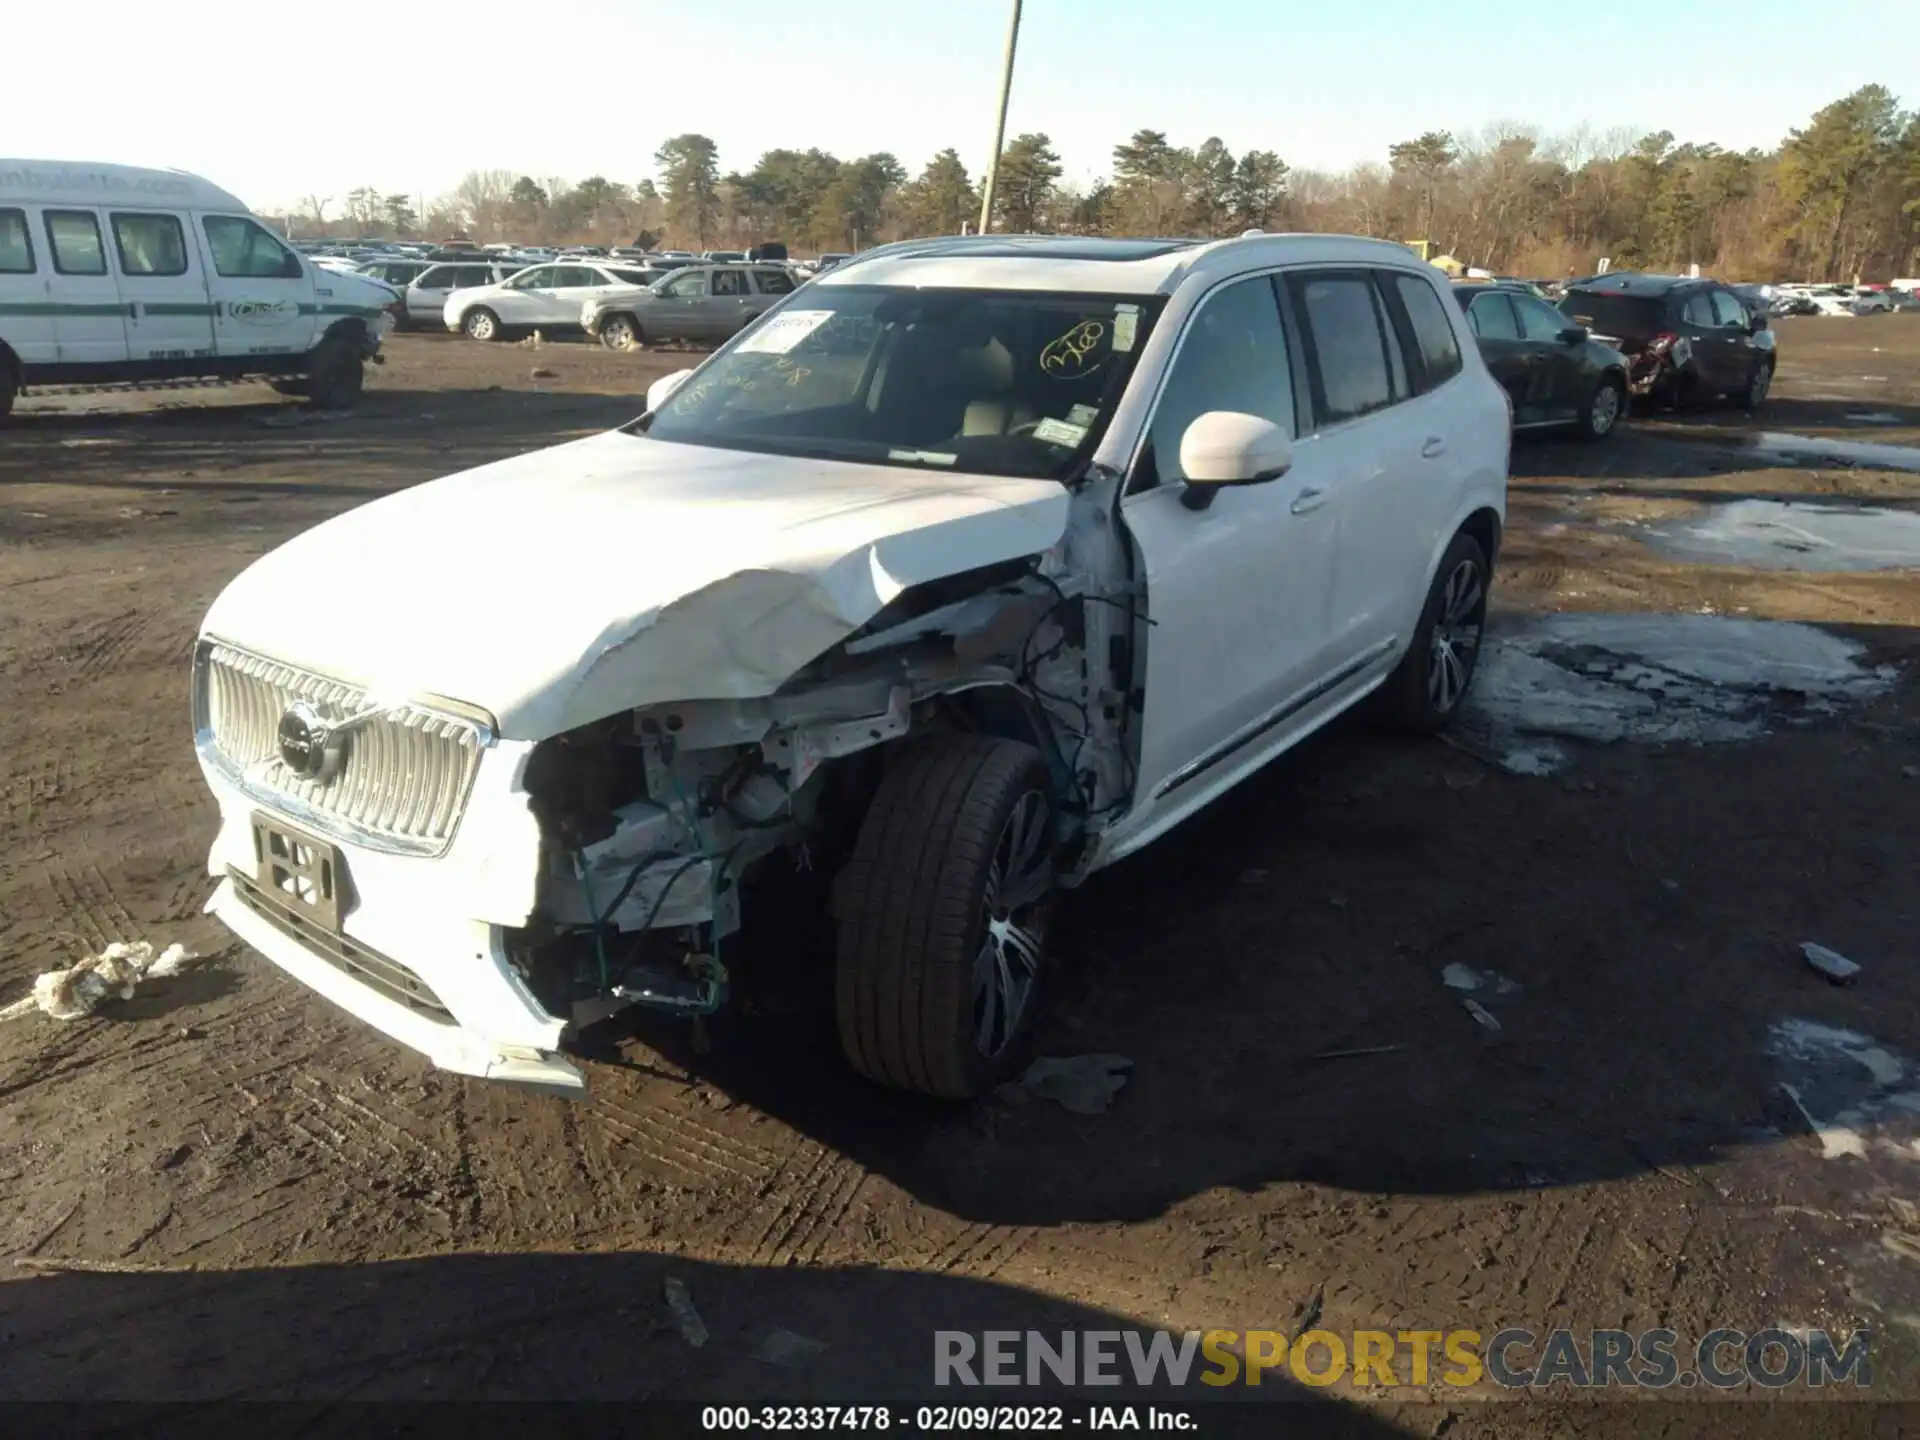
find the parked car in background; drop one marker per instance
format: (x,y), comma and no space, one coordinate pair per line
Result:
(546,297)
(852,585)
(1686,341)
(1554,373)
(704,303)
(827,260)
(427,293)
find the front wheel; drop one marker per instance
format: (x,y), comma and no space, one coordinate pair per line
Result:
(620,332)
(1603,409)
(335,375)
(1758,385)
(942,914)
(1425,692)
(481,324)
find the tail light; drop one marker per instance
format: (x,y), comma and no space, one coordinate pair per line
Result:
(1663,342)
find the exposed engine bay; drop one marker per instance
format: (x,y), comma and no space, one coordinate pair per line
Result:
(650,819)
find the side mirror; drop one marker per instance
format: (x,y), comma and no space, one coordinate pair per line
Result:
(662,389)
(1227,447)
(1573,335)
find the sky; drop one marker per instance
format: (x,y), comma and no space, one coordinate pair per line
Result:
(283,101)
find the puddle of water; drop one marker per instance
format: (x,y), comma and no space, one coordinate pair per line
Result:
(1778,445)
(1653,679)
(1780,535)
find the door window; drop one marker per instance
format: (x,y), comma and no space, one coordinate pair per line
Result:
(686,287)
(1353,373)
(467,277)
(1492,318)
(440,277)
(576,277)
(1233,356)
(75,237)
(243,250)
(1539,321)
(541,277)
(729,282)
(1698,311)
(773,282)
(150,244)
(1433,335)
(16,244)
(1728,310)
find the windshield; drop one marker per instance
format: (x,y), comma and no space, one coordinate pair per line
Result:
(1634,316)
(994,382)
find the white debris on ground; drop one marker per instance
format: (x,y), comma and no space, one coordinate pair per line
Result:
(1854,1093)
(1083,1084)
(115,973)
(1780,535)
(1470,981)
(1652,679)
(1778,446)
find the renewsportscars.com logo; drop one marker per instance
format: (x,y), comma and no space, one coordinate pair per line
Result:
(1512,1359)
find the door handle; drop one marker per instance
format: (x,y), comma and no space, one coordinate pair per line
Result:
(1434,446)
(1308,500)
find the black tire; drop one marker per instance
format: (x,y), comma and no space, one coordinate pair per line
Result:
(913,906)
(482,324)
(1601,414)
(1759,384)
(9,388)
(621,332)
(1413,698)
(335,375)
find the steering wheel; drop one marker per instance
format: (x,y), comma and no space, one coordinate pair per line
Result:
(1027,428)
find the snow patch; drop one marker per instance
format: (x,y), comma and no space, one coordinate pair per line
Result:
(1776,445)
(1653,679)
(1776,535)
(1849,1089)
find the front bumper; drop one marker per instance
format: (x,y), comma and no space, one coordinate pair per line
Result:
(421,951)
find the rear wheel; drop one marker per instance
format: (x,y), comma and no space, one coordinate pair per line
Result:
(620,332)
(1603,409)
(942,913)
(1425,692)
(335,375)
(9,388)
(481,324)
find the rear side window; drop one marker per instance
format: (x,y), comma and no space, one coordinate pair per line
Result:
(1492,318)
(150,244)
(469,276)
(16,243)
(774,282)
(438,278)
(243,250)
(1347,336)
(1433,336)
(634,277)
(75,238)
(1699,311)
(1727,309)
(729,282)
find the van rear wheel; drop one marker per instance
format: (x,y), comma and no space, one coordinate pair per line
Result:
(9,387)
(335,375)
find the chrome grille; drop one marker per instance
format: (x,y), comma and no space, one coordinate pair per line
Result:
(406,773)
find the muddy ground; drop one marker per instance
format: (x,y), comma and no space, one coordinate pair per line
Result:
(287,1204)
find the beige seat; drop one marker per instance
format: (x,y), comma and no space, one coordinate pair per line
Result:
(987,374)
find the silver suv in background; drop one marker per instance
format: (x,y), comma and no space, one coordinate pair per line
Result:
(426,297)
(703,303)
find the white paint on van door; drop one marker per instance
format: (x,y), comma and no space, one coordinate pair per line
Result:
(89,317)
(164,284)
(26,297)
(263,293)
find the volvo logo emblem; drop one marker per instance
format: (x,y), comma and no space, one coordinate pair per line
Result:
(310,746)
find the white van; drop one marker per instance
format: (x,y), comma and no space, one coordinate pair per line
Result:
(114,275)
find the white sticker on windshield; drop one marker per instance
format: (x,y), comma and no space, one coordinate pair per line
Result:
(784,331)
(1082,415)
(1059,432)
(1126,325)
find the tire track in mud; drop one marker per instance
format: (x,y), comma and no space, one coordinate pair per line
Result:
(104,644)
(683,1144)
(358,1138)
(981,1251)
(809,1197)
(49,779)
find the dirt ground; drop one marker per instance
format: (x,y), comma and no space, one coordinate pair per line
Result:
(286,1204)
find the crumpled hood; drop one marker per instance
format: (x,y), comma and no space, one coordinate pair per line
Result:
(560,587)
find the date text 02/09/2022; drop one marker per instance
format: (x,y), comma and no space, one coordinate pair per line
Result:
(941,1419)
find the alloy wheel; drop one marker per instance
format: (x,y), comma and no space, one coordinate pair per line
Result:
(1606,409)
(1757,388)
(1456,636)
(1016,905)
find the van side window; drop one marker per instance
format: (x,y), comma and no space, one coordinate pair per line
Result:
(1233,356)
(1347,340)
(1433,336)
(243,250)
(150,244)
(16,244)
(75,236)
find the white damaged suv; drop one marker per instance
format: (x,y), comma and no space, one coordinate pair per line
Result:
(974,567)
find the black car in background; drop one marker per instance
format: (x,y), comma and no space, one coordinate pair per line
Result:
(1554,373)
(1686,341)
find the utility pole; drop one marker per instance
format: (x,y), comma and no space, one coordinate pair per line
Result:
(1000,122)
